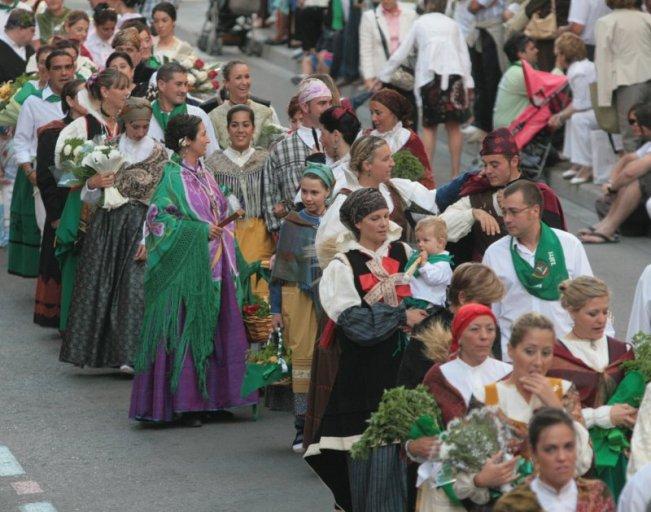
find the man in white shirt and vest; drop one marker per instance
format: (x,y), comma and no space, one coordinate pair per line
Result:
(172,83)
(532,260)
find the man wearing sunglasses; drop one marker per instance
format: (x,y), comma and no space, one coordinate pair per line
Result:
(476,218)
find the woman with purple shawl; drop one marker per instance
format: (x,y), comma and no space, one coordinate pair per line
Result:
(193,344)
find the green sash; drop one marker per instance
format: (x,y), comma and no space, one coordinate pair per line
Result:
(432,258)
(164,117)
(27,90)
(549,269)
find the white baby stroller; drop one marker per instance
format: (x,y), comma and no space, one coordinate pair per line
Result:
(229,23)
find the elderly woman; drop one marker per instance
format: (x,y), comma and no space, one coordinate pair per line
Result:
(552,437)
(191,357)
(237,82)
(370,165)
(531,348)
(457,384)
(76,28)
(239,167)
(390,116)
(623,61)
(593,361)
(443,76)
(571,57)
(365,357)
(167,46)
(108,303)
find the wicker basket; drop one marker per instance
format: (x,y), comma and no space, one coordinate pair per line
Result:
(258,328)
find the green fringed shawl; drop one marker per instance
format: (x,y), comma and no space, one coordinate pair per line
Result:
(181,298)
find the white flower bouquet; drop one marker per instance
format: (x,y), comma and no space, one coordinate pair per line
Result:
(102,159)
(71,172)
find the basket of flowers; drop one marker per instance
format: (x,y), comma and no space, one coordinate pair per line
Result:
(268,365)
(257,319)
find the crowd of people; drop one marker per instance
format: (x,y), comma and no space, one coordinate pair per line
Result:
(380,276)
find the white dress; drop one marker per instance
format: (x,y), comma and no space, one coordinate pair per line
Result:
(578,127)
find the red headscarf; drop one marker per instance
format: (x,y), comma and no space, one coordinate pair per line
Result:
(462,319)
(499,142)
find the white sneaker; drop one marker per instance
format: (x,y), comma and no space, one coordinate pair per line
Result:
(469,130)
(476,136)
(569,174)
(579,180)
(125,368)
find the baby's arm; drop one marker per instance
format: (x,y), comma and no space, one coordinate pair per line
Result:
(435,274)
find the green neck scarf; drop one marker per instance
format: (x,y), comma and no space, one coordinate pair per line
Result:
(164,117)
(549,269)
(432,258)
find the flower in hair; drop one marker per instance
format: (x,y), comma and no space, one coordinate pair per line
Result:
(184,142)
(92,79)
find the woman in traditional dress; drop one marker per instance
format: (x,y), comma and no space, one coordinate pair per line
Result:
(166,45)
(239,167)
(552,437)
(237,83)
(370,166)
(593,362)
(293,291)
(98,42)
(390,114)
(531,348)
(121,61)
(108,302)
(430,343)
(456,384)
(193,344)
(48,285)
(103,98)
(361,292)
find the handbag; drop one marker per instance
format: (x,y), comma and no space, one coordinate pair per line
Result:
(403,77)
(542,28)
(607,118)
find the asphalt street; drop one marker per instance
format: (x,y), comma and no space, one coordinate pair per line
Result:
(65,432)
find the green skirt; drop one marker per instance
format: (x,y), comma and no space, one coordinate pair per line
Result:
(67,249)
(24,235)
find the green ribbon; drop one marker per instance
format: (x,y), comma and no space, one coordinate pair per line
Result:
(27,90)
(153,63)
(163,118)
(610,444)
(549,268)
(53,98)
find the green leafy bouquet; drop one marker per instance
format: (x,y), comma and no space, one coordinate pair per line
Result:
(400,414)
(267,365)
(407,166)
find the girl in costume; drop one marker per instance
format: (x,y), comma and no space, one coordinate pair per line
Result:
(391,113)
(456,386)
(108,302)
(294,304)
(193,344)
(552,437)
(527,389)
(361,292)
(237,83)
(48,285)
(98,43)
(239,168)
(166,45)
(102,99)
(339,129)
(593,362)
(370,166)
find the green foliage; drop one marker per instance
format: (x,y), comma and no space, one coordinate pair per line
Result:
(642,361)
(399,409)
(257,307)
(407,166)
(269,134)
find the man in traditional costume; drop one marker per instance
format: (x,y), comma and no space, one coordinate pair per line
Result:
(532,261)
(284,166)
(172,83)
(28,213)
(478,213)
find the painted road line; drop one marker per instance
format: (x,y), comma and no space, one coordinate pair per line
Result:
(9,466)
(28,487)
(41,506)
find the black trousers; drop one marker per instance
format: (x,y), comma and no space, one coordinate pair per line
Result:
(486,73)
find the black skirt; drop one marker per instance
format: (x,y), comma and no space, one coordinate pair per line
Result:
(444,106)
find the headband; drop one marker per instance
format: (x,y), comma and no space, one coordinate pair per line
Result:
(312,88)
(462,319)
